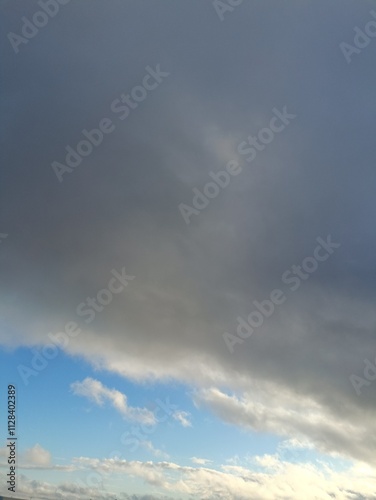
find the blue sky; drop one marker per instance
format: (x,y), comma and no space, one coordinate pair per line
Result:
(50,425)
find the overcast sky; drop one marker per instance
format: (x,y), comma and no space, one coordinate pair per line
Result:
(201,265)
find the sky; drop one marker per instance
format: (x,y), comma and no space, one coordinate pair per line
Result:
(187,249)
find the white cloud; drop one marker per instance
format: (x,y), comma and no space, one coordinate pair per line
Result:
(277,480)
(304,420)
(182,417)
(268,478)
(27,487)
(200,461)
(98,393)
(37,456)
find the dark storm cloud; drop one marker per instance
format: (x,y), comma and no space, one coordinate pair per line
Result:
(119,207)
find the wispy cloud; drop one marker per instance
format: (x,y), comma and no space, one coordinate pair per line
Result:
(96,392)
(182,417)
(200,461)
(276,479)
(148,445)
(37,456)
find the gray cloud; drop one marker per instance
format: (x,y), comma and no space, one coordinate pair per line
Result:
(119,208)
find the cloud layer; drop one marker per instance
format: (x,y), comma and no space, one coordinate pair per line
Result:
(267,477)
(119,209)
